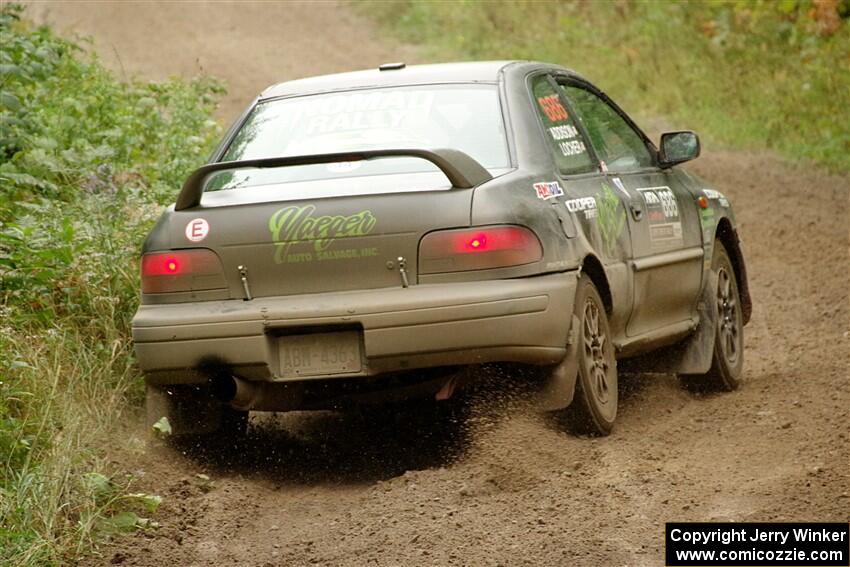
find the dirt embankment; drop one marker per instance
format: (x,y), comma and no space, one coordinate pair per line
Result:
(505,487)
(249,44)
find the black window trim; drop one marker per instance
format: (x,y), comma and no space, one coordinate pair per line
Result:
(570,80)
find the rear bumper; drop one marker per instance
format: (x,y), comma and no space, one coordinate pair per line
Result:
(518,320)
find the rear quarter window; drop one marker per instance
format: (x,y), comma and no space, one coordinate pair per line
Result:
(559,126)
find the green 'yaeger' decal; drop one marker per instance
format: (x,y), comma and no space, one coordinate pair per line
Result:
(297,224)
(612,219)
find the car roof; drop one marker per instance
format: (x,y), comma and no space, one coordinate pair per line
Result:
(466,72)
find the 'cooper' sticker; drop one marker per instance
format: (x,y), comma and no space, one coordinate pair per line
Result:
(548,190)
(197,230)
(586,204)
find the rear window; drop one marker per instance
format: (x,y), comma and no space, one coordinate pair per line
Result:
(463,117)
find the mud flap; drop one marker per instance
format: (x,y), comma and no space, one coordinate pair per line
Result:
(560,385)
(695,354)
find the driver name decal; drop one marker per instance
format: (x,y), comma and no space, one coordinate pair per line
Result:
(559,126)
(296,225)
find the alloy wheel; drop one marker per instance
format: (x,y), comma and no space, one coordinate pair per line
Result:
(728,316)
(594,349)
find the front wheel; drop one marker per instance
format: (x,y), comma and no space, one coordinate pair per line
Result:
(594,406)
(727,362)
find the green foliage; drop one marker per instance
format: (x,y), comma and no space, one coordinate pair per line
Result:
(751,73)
(86,164)
(162,427)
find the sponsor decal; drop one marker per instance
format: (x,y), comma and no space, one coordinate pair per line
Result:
(292,225)
(665,226)
(548,190)
(565,135)
(358,111)
(660,203)
(343,254)
(611,219)
(197,230)
(618,183)
(584,204)
(706,219)
(665,231)
(716,196)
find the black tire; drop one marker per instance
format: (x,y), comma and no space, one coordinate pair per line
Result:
(727,361)
(594,406)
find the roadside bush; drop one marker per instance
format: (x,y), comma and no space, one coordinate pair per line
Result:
(86,164)
(746,72)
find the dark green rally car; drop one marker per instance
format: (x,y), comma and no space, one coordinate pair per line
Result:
(358,238)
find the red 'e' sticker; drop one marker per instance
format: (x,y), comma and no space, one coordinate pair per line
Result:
(197,230)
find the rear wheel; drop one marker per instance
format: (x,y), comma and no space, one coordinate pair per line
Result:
(727,360)
(594,406)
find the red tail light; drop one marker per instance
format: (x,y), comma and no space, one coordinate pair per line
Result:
(478,249)
(181,270)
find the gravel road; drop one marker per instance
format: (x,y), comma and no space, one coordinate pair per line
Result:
(504,486)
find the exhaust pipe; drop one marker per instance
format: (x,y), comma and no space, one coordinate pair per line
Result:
(239,393)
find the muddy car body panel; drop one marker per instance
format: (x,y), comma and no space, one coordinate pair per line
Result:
(276,258)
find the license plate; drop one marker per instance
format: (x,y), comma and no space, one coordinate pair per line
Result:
(320,354)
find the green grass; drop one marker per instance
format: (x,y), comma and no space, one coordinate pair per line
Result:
(86,164)
(748,74)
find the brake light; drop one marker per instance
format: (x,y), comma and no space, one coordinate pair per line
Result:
(161,264)
(478,242)
(478,249)
(181,270)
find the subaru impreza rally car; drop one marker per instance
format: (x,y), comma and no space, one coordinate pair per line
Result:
(357,238)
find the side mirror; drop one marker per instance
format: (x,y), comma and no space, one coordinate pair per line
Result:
(678,147)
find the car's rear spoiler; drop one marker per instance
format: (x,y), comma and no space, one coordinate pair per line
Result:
(462,171)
